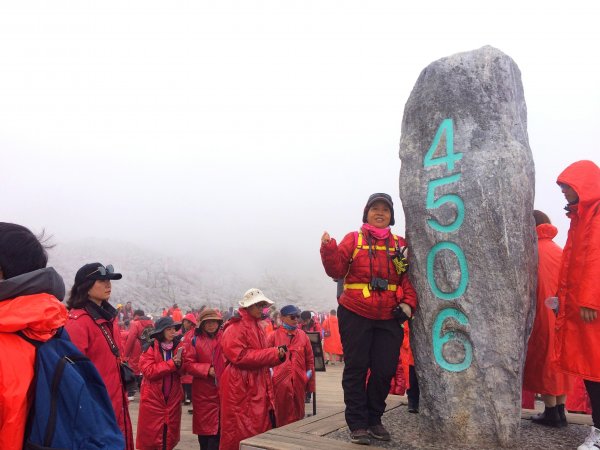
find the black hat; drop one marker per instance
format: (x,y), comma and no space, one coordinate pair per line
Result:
(162,324)
(96,271)
(379,196)
(305,315)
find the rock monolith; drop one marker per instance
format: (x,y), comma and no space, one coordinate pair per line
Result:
(467,188)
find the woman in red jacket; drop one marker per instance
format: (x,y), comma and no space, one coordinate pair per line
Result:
(375,285)
(295,377)
(93,328)
(541,372)
(246,389)
(203,361)
(577,324)
(161,394)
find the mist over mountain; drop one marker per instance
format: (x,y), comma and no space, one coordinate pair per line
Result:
(152,280)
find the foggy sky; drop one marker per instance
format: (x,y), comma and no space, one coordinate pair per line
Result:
(237,132)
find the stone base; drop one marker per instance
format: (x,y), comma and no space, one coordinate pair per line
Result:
(408,433)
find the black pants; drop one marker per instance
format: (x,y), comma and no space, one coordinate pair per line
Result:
(187,390)
(368,344)
(593,390)
(209,442)
(413,391)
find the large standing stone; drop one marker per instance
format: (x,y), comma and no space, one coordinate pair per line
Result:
(467,187)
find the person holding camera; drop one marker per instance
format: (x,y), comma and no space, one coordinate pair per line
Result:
(246,389)
(377,298)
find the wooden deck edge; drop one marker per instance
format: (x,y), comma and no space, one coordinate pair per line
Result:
(309,432)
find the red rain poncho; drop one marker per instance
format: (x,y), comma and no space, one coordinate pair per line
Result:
(246,387)
(290,381)
(577,341)
(156,412)
(542,375)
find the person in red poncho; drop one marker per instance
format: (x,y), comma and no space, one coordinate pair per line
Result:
(246,388)
(159,419)
(577,324)
(93,328)
(188,325)
(30,303)
(332,343)
(133,344)
(204,362)
(541,373)
(376,291)
(295,377)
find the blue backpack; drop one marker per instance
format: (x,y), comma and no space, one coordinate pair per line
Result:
(71,408)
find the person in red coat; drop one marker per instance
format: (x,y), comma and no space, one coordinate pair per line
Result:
(159,419)
(133,344)
(332,343)
(246,389)
(541,372)
(203,359)
(577,324)
(188,324)
(93,328)
(376,284)
(30,303)
(295,377)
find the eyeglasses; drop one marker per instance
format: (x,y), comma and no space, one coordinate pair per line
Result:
(103,270)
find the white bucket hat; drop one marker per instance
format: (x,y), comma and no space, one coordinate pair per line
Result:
(253,296)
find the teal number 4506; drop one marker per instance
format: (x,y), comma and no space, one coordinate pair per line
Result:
(447,128)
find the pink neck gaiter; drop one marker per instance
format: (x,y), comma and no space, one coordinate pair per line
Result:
(377,233)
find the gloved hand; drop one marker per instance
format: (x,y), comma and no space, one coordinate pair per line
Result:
(407,310)
(309,374)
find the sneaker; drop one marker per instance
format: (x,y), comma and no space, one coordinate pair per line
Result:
(360,436)
(190,411)
(592,442)
(413,408)
(131,398)
(379,432)
(187,401)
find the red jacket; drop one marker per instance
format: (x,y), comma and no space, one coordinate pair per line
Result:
(87,337)
(337,262)
(156,412)
(38,316)
(133,345)
(541,372)
(246,387)
(205,393)
(578,286)
(333,342)
(290,382)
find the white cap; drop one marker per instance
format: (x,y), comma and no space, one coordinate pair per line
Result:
(253,296)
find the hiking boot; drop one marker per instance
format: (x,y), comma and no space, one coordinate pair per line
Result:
(307,397)
(592,442)
(562,416)
(379,432)
(413,407)
(549,418)
(360,436)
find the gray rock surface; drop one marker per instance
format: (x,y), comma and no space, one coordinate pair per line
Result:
(409,432)
(467,188)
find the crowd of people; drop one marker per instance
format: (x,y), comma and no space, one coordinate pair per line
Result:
(251,368)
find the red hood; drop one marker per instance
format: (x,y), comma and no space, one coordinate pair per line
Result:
(38,315)
(584,178)
(546,231)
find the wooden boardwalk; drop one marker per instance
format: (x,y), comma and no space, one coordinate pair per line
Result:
(311,432)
